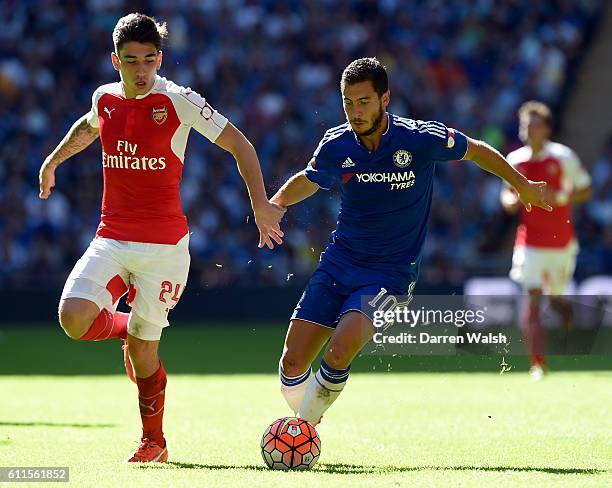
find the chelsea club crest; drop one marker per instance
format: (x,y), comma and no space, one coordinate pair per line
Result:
(402,158)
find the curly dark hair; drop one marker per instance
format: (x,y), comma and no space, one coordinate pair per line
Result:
(139,28)
(366,69)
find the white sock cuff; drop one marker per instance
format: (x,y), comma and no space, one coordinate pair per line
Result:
(293,381)
(328,385)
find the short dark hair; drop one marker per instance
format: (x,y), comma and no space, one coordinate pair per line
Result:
(536,108)
(139,28)
(366,69)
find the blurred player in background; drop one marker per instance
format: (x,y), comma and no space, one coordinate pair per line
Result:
(141,244)
(545,248)
(385,166)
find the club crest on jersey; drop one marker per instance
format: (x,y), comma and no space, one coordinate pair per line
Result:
(402,158)
(159,114)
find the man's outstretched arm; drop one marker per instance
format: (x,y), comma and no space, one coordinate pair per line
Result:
(80,135)
(267,215)
(296,189)
(489,159)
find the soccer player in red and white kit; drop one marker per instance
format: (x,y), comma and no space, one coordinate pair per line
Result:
(141,245)
(545,248)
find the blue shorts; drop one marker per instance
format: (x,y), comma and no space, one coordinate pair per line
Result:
(327,297)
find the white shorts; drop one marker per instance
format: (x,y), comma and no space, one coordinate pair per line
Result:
(546,269)
(154,274)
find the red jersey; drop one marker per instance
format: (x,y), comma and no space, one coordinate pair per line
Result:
(143,147)
(560,168)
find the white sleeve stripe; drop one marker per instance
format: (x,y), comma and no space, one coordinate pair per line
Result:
(403,119)
(337,130)
(419,123)
(437,126)
(332,136)
(423,129)
(414,122)
(400,124)
(403,124)
(431,130)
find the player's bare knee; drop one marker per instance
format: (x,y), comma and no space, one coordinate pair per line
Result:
(73,319)
(338,357)
(291,366)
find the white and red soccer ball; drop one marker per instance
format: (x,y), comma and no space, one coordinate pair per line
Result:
(290,443)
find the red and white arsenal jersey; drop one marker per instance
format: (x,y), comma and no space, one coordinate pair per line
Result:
(143,147)
(560,168)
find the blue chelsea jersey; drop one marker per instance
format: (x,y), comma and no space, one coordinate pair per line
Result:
(386,194)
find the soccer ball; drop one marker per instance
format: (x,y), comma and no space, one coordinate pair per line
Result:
(290,443)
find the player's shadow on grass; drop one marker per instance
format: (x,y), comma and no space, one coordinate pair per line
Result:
(356,469)
(57,424)
(176,464)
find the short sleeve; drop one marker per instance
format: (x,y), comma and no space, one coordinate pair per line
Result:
(442,143)
(320,169)
(199,114)
(574,172)
(92,116)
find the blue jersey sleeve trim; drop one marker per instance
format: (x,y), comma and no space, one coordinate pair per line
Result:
(325,178)
(317,178)
(463,138)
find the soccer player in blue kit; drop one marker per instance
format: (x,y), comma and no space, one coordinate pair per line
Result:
(385,166)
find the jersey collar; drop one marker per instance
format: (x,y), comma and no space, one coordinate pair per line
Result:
(386,134)
(542,154)
(383,138)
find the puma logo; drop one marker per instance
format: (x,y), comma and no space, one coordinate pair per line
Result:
(150,407)
(108,111)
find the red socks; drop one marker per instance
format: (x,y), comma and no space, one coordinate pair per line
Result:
(151,390)
(106,326)
(151,395)
(534,335)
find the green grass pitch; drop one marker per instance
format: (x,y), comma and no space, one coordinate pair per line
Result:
(388,429)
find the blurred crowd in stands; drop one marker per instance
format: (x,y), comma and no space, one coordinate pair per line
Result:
(273,68)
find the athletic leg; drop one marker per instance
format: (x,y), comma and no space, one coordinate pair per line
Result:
(352,333)
(529,267)
(533,332)
(303,342)
(82,319)
(151,381)
(87,308)
(311,326)
(159,276)
(562,266)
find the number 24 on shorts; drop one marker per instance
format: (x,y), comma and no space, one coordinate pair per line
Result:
(169,287)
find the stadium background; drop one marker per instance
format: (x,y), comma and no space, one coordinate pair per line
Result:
(273,68)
